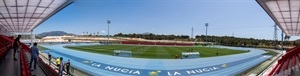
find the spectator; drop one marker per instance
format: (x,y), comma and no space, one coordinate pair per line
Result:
(61,67)
(176,57)
(16,45)
(57,62)
(68,64)
(49,57)
(34,54)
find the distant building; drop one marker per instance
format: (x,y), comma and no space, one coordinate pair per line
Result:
(56,38)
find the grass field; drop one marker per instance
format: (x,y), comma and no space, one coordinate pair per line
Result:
(156,52)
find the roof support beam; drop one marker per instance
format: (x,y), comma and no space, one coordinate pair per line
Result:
(14,28)
(33,14)
(285,13)
(43,12)
(25,15)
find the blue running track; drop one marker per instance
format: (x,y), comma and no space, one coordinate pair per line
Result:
(106,65)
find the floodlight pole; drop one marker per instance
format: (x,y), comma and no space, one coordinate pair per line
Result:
(206,25)
(192,34)
(108,22)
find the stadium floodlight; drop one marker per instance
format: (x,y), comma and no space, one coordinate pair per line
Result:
(108,22)
(206,25)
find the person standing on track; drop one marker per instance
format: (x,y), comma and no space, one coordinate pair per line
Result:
(16,45)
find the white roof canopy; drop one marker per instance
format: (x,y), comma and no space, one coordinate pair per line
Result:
(25,15)
(285,13)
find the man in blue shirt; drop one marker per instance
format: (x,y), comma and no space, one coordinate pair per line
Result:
(34,54)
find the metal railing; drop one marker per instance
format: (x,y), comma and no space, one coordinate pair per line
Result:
(271,66)
(73,70)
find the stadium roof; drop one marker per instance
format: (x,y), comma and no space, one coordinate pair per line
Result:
(285,13)
(25,15)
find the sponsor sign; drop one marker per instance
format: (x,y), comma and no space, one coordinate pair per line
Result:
(122,53)
(145,72)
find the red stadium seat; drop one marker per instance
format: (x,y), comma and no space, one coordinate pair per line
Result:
(23,73)
(287,62)
(156,43)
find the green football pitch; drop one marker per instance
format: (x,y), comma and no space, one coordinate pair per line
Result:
(155,52)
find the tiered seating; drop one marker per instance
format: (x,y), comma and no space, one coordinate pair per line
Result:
(288,65)
(50,70)
(156,43)
(25,70)
(3,51)
(4,47)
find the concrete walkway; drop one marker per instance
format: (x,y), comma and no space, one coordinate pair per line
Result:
(9,67)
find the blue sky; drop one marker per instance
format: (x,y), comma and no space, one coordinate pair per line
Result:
(243,18)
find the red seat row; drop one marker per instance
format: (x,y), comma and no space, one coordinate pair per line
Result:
(4,47)
(287,63)
(3,52)
(50,70)
(25,69)
(156,43)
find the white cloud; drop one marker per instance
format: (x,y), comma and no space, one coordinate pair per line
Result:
(103,31)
